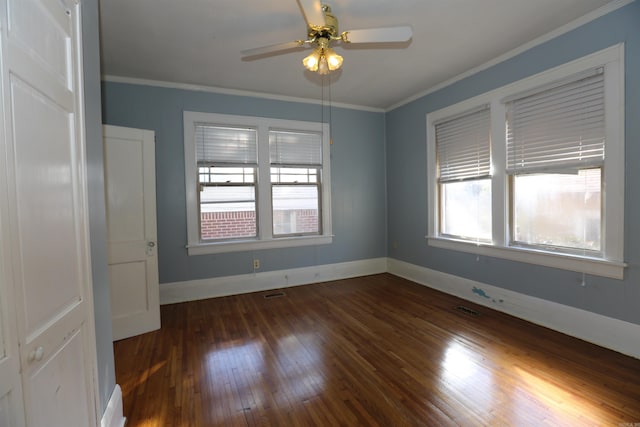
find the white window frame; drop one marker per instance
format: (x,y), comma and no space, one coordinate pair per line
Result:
(265,238)
(611,264)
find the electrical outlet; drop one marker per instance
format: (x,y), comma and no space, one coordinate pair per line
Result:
(256,264)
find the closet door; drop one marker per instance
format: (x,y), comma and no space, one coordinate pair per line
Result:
(47,227)
(11,398)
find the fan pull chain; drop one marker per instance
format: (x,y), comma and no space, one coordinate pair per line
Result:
(322,106)
(330,114)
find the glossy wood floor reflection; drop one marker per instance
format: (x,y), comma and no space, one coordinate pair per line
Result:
(370,351)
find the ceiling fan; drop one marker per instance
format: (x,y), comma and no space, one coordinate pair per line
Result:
(322,30)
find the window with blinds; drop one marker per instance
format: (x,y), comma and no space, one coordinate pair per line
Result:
(559,127)
(463,145)
(296,165)
(555,152)
(463,149)
(255,183)
(227,160)
(534,171)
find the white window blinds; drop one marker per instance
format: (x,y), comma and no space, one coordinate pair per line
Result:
(560,127)
(463,146)
(217,145)
(288,148)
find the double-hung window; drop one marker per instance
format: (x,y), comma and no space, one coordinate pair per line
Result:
(227,163)
(296,172)
(464,175)
(555,159)
(255,183)
(534,171)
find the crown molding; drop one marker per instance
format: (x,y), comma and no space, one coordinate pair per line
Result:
(604,10)
(233,92)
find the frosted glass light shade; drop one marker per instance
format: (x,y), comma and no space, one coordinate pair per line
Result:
(334,61)
(323,60)
(312,61)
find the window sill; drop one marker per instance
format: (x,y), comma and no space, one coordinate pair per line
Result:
(581,264)
(250,245)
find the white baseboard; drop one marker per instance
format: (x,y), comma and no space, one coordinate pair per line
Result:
(112,416)
(232,285)
(604,331)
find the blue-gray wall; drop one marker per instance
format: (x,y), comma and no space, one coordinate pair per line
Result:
(370,222)
(407,176)
(97,220)
(357,178)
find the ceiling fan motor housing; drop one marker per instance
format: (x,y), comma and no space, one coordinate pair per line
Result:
(329,30)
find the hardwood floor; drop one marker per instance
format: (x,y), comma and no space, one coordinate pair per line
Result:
(370,351)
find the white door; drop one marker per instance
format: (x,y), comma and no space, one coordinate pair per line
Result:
(130,178)
(45,240)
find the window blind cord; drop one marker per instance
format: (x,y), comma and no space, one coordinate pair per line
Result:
(478,166)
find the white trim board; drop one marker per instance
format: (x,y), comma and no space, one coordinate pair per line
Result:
(233,285)
(234,92)
(603,331)
(112,416)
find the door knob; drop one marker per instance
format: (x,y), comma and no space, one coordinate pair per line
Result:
(151,244)
(36,354)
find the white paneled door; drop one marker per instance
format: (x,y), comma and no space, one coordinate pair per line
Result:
(46,302)
(131,230)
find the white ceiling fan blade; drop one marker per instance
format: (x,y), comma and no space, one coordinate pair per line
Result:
(312,12)
(379,35)
(272,48)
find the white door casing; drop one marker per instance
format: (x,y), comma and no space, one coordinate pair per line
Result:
(45,238)
(11,403)
(131,230)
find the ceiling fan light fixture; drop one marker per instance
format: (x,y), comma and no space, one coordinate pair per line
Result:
(334,61)
(323,60)
(312,62)
(323,67)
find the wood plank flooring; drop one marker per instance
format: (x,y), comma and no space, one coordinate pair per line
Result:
(369,351)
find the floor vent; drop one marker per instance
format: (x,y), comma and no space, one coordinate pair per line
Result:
(274,295)
(467,310)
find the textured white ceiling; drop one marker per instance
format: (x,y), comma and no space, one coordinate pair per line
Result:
(199,42)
